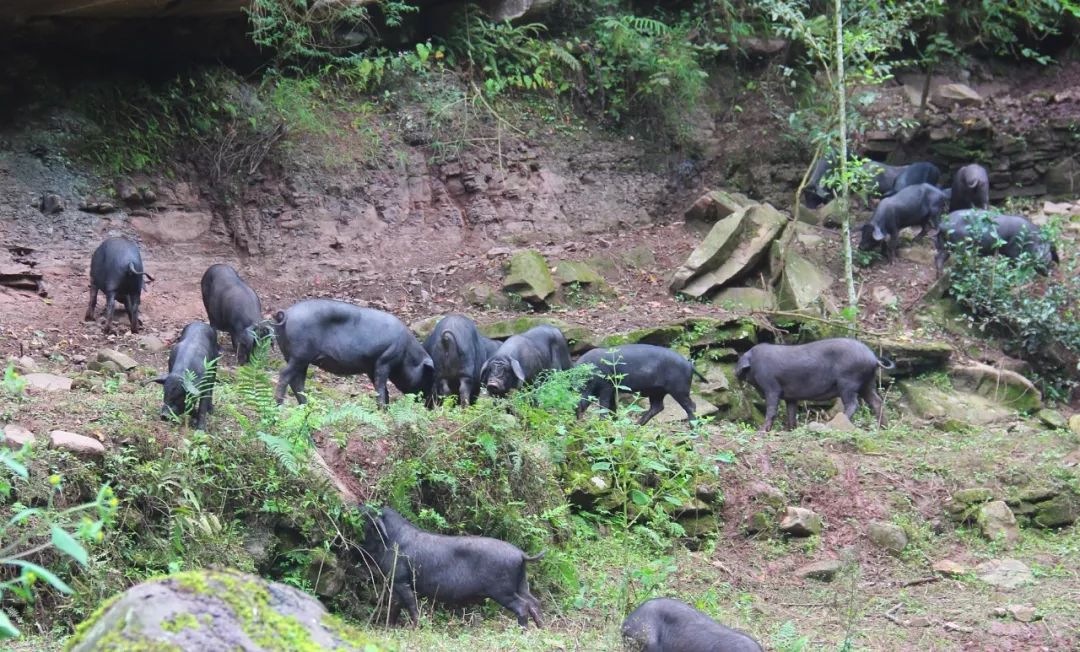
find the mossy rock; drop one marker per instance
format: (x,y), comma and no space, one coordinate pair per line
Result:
(1004,387)
(656,335)
(529,277)
(911,357)
(215,610)
(803,285)
(745,299)
(1059,511)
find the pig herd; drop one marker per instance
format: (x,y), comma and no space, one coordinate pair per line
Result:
(456,360)
(911,198)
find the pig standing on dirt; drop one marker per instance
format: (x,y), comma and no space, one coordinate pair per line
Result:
(345,339)
(459,353)
(1008,235)
(651,371)
(454,570)
(813,372)
(970,188)
(919,205)
(232,306)
(666,625)
(196,347)
(519,359)
(116,269)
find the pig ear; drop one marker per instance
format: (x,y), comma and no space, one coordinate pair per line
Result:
(743,367)
(483,372)
(878,234)
(159,380)
(516,366)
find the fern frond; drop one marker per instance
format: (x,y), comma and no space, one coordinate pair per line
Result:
(287,455)
(565,57)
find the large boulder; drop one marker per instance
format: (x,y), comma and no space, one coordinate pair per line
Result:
(529,277)
(578,279)
(948,95)
(951,408)
(745,299)
(997,522)
(911,357)
(215,610)
(1001,386)
(802,284)
(656,335)
(716,205)
(733,247)
(1063,178)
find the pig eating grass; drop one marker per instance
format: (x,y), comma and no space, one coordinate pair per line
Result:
(454,570)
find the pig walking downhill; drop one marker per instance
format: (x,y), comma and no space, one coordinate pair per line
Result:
(989,233)
(454,570)
(652,371)
(816,371)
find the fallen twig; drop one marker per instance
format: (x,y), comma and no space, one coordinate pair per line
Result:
(921,580)
(890,615)
(953,627)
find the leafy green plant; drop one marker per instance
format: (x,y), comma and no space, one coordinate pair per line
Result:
(31,537)
(1037,320)
(12,384)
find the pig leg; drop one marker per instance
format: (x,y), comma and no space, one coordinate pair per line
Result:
(93,304)
(606,398)
(687,404)
(772,402)
(110,307)
(850,397)
(922,231)
(404,597)
(292,375)
(464,392)
(656,404)
(380,378)
(870,395)
(792,408)
(132,303)
(200,414)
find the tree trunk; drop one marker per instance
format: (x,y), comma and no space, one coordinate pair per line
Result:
(841,100)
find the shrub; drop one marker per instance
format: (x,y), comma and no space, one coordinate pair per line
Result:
(1036,317)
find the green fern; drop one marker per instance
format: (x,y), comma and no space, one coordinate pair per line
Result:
(284,450)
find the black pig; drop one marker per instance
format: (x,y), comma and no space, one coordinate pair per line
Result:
(666,625)
(116,269)
(970,188)
(519,359)
(912,175)
(454,570)
(232,306)
(920,205)
(459,353)
(1008,235)
(345,339)
(196,347)
(813,372)
(651,371)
